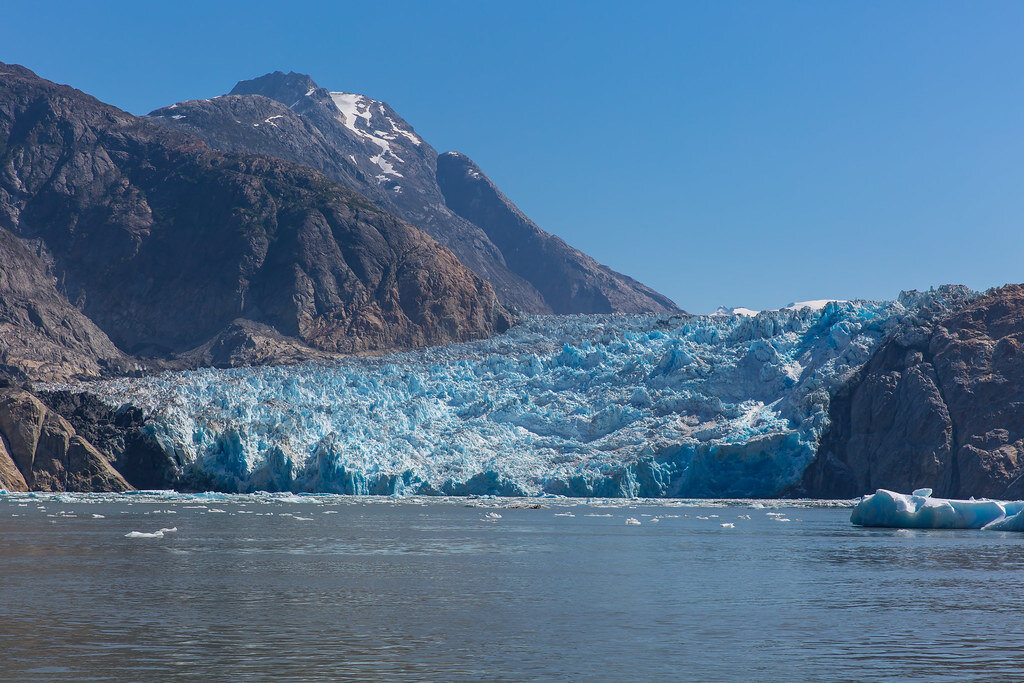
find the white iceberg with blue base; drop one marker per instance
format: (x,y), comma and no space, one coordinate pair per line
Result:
(919,510)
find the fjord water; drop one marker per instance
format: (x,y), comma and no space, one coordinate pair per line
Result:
(346,587)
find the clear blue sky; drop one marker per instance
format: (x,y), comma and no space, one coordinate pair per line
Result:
(722,152)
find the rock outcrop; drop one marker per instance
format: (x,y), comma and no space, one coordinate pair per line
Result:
(939,405)
(41,451)
(42,336)
(119,434)
(365,145)
(163,245)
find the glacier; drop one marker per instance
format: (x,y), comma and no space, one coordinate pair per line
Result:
(920,511)
(599,405)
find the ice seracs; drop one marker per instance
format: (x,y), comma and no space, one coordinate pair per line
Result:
(919,510)
(572,405)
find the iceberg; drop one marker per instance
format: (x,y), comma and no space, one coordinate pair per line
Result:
(919,510)
(596,405)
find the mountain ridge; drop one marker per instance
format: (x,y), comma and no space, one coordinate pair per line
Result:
(377,153)
(163,243)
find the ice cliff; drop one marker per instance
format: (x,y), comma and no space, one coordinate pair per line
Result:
(577,405)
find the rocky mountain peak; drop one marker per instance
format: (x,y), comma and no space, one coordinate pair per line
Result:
(286,88)
(364,144)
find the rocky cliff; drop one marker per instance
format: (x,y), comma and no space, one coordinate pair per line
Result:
(41,451)
(123,238)
(365,145)
(939,405)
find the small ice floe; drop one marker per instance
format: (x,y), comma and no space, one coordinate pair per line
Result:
(920,511)
(655,520)
(702,517)
(742,516)
(216,510)
(595,514)
(492,515)
(96,516)
(564,514)
(154,534)
(303,519)
(632,521)
(728,525)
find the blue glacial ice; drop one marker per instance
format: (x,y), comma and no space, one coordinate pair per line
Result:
(610,406)
(919,510)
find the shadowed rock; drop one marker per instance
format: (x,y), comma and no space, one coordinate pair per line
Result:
(163,243)
(940,405)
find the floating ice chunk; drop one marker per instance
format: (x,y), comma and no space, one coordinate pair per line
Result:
(153,534)
(1008,523)
(493,515)
(899,510)
(633,521)
(728,525)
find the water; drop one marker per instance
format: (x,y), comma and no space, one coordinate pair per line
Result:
(435,589)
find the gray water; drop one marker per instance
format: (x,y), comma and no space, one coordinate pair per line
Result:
(251,587)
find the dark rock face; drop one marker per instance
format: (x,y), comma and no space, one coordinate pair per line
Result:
(164,243)
(119,434)
(940,405)
(42,335)
(569,280)
(46,451)
(367,146)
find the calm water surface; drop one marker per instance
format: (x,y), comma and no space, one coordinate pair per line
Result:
(297,587)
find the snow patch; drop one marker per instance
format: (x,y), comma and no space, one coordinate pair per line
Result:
(813,304)
(737,310)
(354,108)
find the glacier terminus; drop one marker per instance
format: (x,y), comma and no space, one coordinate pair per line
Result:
(611,406)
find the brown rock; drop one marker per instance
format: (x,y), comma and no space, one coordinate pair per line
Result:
(46,452)
(21,422)
(10,476)
(941,407)
(164,243)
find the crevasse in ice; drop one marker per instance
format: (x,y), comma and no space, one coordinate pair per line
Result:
(573,405)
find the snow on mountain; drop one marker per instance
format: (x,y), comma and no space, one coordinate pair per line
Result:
(814,304)
(380,132)
(737,310)
(576,405)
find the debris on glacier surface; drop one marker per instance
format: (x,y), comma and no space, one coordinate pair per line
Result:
(602,406)
(919,510)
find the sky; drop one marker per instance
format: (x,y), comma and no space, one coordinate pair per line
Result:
(724,153)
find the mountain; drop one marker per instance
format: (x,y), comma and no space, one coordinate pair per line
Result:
(939,405)
(125,240)
(365,145)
